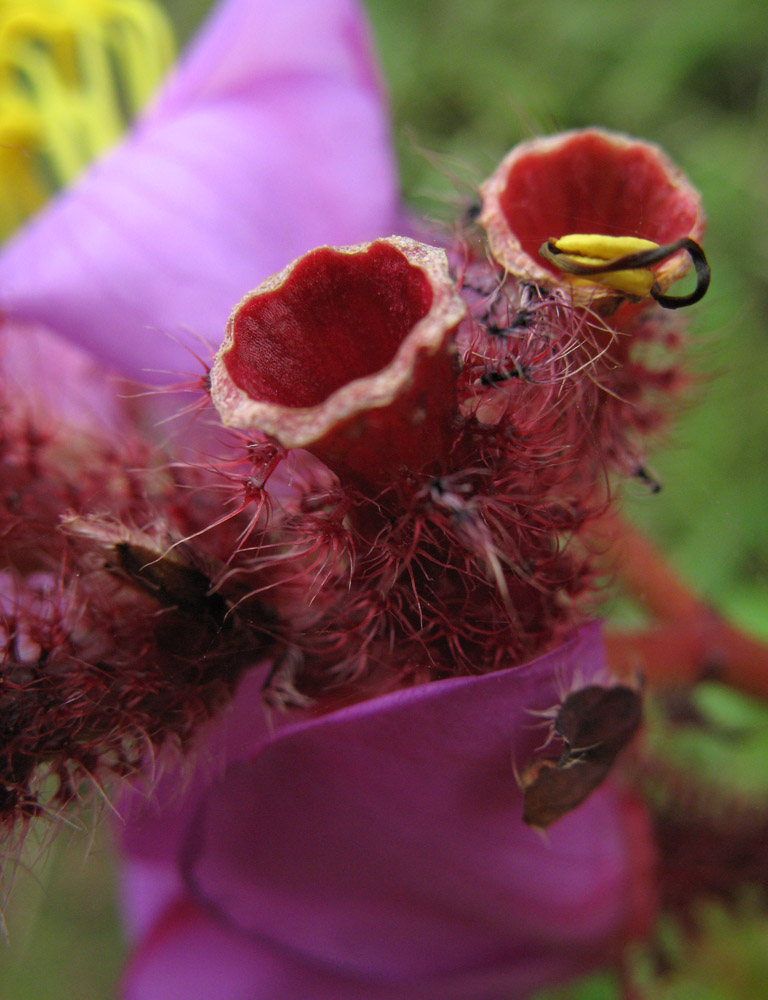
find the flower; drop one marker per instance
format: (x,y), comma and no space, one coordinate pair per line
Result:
(606,221)
(364,404)
(378,851)
(215,187)
(430,555)
(69,79)
(593,182)
(430,586)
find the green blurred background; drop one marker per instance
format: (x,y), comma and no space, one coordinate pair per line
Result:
(467,81)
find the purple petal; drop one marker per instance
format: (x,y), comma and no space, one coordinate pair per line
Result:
(156,822)
(188,955)
(56,382)
(247,43)
(270,139)
(384,843)
(146,891)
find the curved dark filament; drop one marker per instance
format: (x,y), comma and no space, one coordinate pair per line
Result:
(641,259)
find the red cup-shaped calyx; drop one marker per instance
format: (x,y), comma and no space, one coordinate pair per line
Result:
(349,352)
(587,181)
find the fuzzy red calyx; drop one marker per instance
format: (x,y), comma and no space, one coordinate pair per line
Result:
(349,353)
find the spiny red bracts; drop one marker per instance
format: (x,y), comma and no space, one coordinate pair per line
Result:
(464,425)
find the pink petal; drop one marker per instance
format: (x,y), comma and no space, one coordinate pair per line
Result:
(270,139)
(384,842)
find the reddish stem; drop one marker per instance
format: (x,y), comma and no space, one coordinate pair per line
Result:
(642,570)
(691,640)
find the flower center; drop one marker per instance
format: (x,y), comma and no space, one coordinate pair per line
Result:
(73,73)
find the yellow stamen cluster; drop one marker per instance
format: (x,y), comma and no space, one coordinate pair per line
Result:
(73,73)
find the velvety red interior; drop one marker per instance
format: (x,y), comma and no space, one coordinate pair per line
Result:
(590,185)
(338,317)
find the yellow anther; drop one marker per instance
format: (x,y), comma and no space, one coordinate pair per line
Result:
(583,254)
(72,75)
(623,264)
(602,247)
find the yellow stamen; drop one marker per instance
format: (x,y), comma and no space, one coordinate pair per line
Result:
(603,247)
(578,253)
(73,73)
(623,264)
